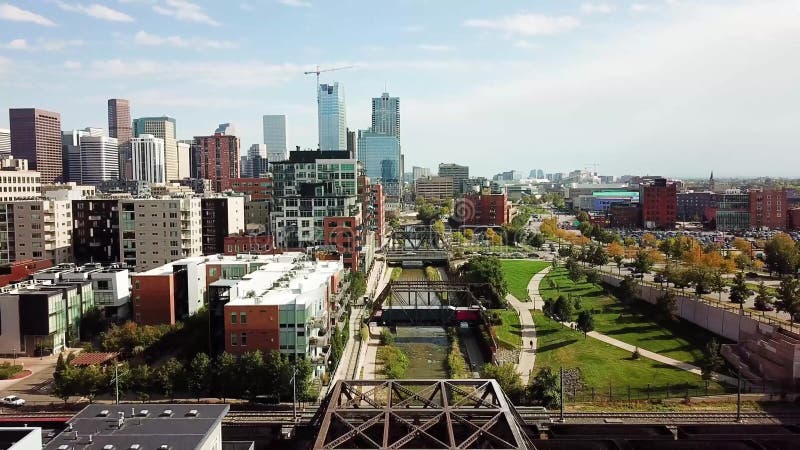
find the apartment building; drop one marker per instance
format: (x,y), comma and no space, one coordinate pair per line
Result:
(158,231)
(110,284)
(170,292)
(36,229)
(95,231)
(17,182)
(434,188)
(768,208)
(221,216)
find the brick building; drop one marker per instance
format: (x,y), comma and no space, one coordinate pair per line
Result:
(624,216)
(256,188)
(659,201)
(794,219)
(346,234)
(218,159)
(255,244)
(373,212)
(483,209)
(768,208)
(168,293)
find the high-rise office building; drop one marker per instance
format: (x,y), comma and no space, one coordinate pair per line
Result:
(184,159)
(5,142)
(147,158)
(275,137)
(99,159)
(380,155)
(352,143)
(162,128)
(420,172)
(36,136)
(386,115)
(457,172)
(119,126)
(219,159)
(332,117)
(254,163)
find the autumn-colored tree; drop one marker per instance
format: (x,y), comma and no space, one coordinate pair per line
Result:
(743,245)
(649,240)
(615,249)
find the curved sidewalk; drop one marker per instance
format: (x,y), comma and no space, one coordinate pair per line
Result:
(527,353)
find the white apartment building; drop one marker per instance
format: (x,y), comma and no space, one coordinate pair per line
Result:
(17,182)
(148,159)
(158,231)
(36,229)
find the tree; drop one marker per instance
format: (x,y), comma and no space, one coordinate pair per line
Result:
(789,297)
(544,389)
(553,284)
(649,240)
(358,285)
(574,271)
(469,233)
(547,308)
(592,276)
(458,237)
(170,377)
(618,261)
(438,227)
(507,376)
(537,240)
(585,322)
(739,292)
(485,269)
(426,213)
(141,381)
(90,381)
(251,368)
(643,262)
(627,290)
(199,376)
(563,309)
(64,379)
(743,245)
(718,284)
(763,297)
(667,303)
(713,361)
(781,254)
(493,238)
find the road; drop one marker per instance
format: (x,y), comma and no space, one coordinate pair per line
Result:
(35,388)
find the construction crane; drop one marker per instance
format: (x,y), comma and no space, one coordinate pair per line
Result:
(316,86)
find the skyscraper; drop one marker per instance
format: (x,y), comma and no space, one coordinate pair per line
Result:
(147,158)
(386,115)
(119,126)
(352,143)
(162,128)
(380,154)
(254,163)
(332,117)
(458,173)
(99,159)
(5,142)
(219,159)
(275,137)
(36,136)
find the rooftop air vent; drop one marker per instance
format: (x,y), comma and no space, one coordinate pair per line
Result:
(166,413)
(143,413)
(63,447)
(135,447)
(103,413)
(192,413)
(108,447)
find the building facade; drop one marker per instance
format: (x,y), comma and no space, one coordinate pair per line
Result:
(95,231)
(162,128)
(483,210)
(99,160)
(768,208)
(457,173)
(219,159)
(119,127)
(694,206)
(380,156)
(36,136)
(157,231)
(274,127)
(419,172)
(170,292)
(5,142)
(221,216)
(36,229)
(386,115)
(255,163)
(659,201)
(256,188)
(253,244)
(17,182)
(733,211)
(434,188)
(148,159)
(332,117)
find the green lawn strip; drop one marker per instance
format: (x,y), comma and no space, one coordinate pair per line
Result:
(518,274)
(634,325)
(602,364)
(510,333)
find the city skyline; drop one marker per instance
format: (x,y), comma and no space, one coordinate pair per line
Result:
(634,86)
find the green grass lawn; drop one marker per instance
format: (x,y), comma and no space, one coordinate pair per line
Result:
(635,324)
(510,333)
(602,364)
(518,273)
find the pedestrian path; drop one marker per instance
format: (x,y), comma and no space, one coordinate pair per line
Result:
(527,355)
(538,301)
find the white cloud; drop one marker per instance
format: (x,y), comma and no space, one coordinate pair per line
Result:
(145,38)
(11,12)
(434,47)
(42,44)
(72,65)
(185,11)
(597,8)
(527,24)
(296,3)
(95,10)
(644,7)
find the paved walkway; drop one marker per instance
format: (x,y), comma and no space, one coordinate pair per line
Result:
(533,292)
(527,354)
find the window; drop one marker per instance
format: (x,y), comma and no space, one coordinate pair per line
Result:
(136,284)
(243,319)
(234,339)
(244,339)
(233,318)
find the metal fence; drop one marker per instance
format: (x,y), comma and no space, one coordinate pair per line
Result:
(627,393)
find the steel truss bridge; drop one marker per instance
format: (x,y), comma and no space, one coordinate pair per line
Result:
(417,244)
(421,301)
(419,414)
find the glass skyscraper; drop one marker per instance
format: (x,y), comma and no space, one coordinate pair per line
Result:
(380,155)
(275,137)
(386,115)
(332,117)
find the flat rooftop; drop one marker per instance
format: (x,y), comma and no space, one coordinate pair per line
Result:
(219,259)
(175,426)
(293,281)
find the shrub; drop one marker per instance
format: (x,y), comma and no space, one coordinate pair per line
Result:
(387,338)
(635,354)
(7,370)
(395,362)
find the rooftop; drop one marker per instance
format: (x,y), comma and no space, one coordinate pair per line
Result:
(281,283)
(220,259)
(151,426)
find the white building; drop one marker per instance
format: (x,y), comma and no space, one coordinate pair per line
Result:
(111,284)
(36,229)
(184,155)
(99,160)
(332,117)
(5,141)
(275,137)
(17,182)
(147,156)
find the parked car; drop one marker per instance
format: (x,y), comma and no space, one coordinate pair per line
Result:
(12,400)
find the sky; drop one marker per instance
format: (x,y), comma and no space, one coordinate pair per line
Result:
(669,87)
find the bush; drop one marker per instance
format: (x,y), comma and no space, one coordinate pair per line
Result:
(7,370)
(395,362)
(387,338)
(456,367)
